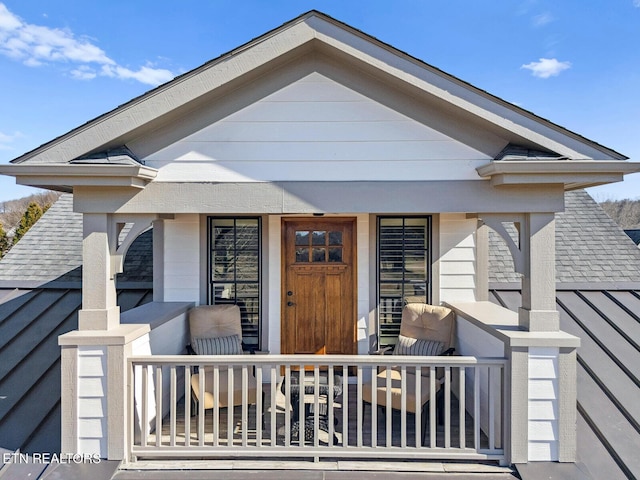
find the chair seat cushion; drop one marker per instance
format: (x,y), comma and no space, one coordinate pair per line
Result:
(222,391)
(229,345)
(413,402)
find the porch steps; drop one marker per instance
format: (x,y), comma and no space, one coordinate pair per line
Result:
(334,469)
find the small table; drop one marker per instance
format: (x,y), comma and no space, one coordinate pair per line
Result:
(308,388)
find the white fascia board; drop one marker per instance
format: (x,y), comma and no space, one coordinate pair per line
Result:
(572,173)
(65,175)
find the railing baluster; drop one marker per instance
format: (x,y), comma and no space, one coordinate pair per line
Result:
(316,405)
(492,413)
(202,378)
(216,406)
(287,405)
(388,411)
(447,407)
(418,406)
(259,405)
(244,422)
(462,407)
(403,406)
(330,405)
(345,405)
(301,409)
(172,406)
(359,406)
(433,420)
(476,408)
(158,406)
(144,427)
(272,395)
(374,407)
(187,405)
(230,404)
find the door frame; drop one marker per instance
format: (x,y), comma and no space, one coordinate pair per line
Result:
(354,267)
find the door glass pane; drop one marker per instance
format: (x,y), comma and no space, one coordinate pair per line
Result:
(302,254)
(319,238)
(335,238)
(319,255)
(302,238)
(335,254)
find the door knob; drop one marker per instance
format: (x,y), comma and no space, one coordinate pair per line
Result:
(290,304)
(289,293)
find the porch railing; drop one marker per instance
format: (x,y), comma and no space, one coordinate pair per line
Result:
(463,419)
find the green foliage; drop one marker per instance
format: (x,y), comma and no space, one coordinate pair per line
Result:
(4,241)
(31,216)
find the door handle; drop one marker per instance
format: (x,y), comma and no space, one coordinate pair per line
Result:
(290,304)
(289,293)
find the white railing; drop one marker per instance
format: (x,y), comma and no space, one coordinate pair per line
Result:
(337,416)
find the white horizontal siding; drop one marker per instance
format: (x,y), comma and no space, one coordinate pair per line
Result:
(92,400)
(543,404)
(457,258)
(316,129)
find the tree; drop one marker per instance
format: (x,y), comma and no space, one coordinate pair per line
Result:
(31,216)
(4,241)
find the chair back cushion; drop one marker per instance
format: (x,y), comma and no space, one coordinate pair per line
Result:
(417,346)
(209,321)
(429,322)
(229,345)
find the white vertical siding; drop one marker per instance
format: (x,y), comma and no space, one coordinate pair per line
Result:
(182,259)
(274,281)
(363,248)
(92,400)
(543,404)
(457,258)
(316,129)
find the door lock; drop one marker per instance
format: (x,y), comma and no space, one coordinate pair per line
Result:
(290,304)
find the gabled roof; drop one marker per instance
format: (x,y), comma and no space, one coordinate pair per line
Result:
(313,32)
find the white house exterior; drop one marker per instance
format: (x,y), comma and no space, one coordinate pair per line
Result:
(319,144)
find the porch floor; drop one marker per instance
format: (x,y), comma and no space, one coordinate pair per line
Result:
(352,426)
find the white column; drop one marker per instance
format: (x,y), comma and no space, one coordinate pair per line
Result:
(99,305)
(538,311)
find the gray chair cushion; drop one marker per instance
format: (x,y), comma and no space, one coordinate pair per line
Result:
(417,346)
(229,345)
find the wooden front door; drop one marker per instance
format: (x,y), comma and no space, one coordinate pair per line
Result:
(318,291)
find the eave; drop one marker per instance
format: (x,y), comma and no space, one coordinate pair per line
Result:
(573,174)
(64,177)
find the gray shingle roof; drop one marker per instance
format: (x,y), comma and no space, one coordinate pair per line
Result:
(59,234)
(52,251)
(590,247)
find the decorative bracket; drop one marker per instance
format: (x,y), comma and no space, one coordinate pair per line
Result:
(496,222)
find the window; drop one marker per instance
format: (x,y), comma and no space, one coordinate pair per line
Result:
(234,270)
(403,270)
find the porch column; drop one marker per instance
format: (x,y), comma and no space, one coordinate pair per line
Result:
(538,311)
(99,302)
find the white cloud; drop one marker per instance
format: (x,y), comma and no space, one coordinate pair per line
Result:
(547,67)
(544,19)
(36,45)
(6,140)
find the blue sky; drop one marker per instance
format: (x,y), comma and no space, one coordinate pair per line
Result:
(576,63)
